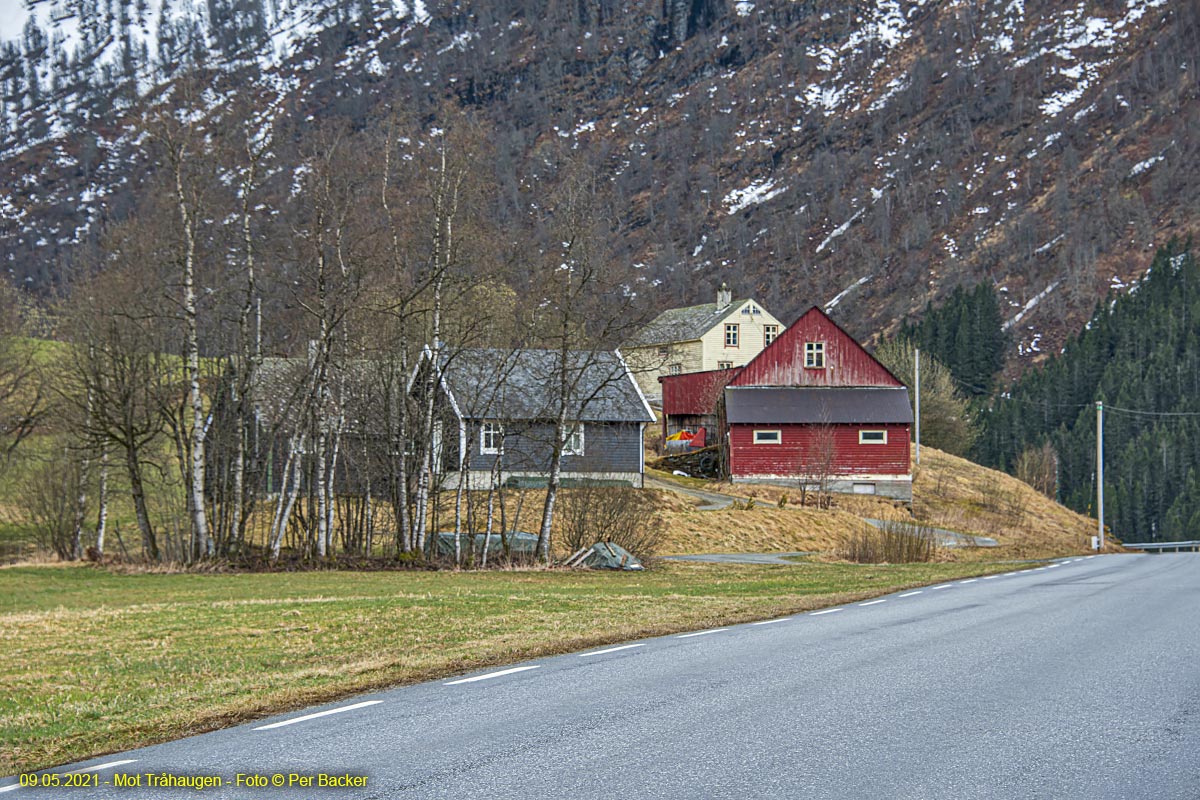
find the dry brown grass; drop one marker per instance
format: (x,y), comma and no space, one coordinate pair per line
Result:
(949,492)
(760,529)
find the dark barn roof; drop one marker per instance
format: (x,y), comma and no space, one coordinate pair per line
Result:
(818,405)
(525,385)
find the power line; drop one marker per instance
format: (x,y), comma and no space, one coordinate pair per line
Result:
(1152,413)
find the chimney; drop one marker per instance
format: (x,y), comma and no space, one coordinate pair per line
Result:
(724,297)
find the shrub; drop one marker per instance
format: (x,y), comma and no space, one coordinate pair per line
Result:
(894,543)
(50,496)
(623,516)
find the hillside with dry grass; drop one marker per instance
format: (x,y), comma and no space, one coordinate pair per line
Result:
(949,492)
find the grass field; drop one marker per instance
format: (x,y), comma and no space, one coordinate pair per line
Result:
(96,661)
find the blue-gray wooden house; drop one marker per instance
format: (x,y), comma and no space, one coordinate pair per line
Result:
(499,408)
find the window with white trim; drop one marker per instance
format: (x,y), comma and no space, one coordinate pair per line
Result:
(573,444)
(491,434)
(872,437)
(770,332)
(814,355)
(731,334)
(768,437)
(724,365)
(675,369)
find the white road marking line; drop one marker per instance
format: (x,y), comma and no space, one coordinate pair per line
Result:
(10,788)
(771,621)
(1010,574)
(1052,566)
(826,611)
(701,633)
(873,603)
(971,580)
(947,586)
(488,675)
(910,594)
(611,650)
(99,767)
(307,717)
(989,577)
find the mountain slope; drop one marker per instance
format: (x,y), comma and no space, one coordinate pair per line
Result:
(868,158)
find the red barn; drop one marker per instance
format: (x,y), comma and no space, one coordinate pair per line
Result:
(816,407)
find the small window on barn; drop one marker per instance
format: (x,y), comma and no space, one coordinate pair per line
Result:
(724,365)
(675,369)
(574,442)
(872,437)
(814,355)
(770,332)
(731,335)
(490,436)
(767,437)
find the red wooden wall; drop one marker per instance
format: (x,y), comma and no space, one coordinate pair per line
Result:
(850,457)
(694,393)
(782,363)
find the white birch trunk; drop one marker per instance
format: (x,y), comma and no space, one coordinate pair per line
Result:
(289,487)
(322,500)
(102,500)
(201,543)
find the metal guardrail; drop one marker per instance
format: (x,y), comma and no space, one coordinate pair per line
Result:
(1159,547)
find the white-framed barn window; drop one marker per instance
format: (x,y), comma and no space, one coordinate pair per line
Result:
(573,446)
(724,365)
(768,437)
(770,332)
(732,331)
(872,437)
(675,369)
(814,355)
(491,434)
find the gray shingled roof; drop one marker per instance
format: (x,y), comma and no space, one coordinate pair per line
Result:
(281,385)
(524,385)
(683,324)
(817,405)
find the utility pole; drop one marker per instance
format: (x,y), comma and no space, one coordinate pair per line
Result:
(1100,471)
(917,415)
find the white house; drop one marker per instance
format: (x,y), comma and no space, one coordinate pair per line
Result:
(720,335)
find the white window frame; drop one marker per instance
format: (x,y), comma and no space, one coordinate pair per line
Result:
(735,329)
(724,365)
(778,436)
(495,431)
(814,355)
(573,444)
(675,369)
(864,432)
(770,334)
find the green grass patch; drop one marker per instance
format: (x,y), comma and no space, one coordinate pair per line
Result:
(96,661)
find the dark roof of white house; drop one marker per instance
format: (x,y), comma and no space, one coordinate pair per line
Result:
(527,385)
(683,324)
(806,405)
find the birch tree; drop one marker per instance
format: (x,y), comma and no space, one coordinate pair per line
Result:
(183,148)
(586,305)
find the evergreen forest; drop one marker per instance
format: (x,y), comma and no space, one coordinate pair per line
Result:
(1140,356)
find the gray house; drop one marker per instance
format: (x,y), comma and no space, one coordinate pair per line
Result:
(502,407)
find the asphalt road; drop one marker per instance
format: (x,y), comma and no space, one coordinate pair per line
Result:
(1075,680)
